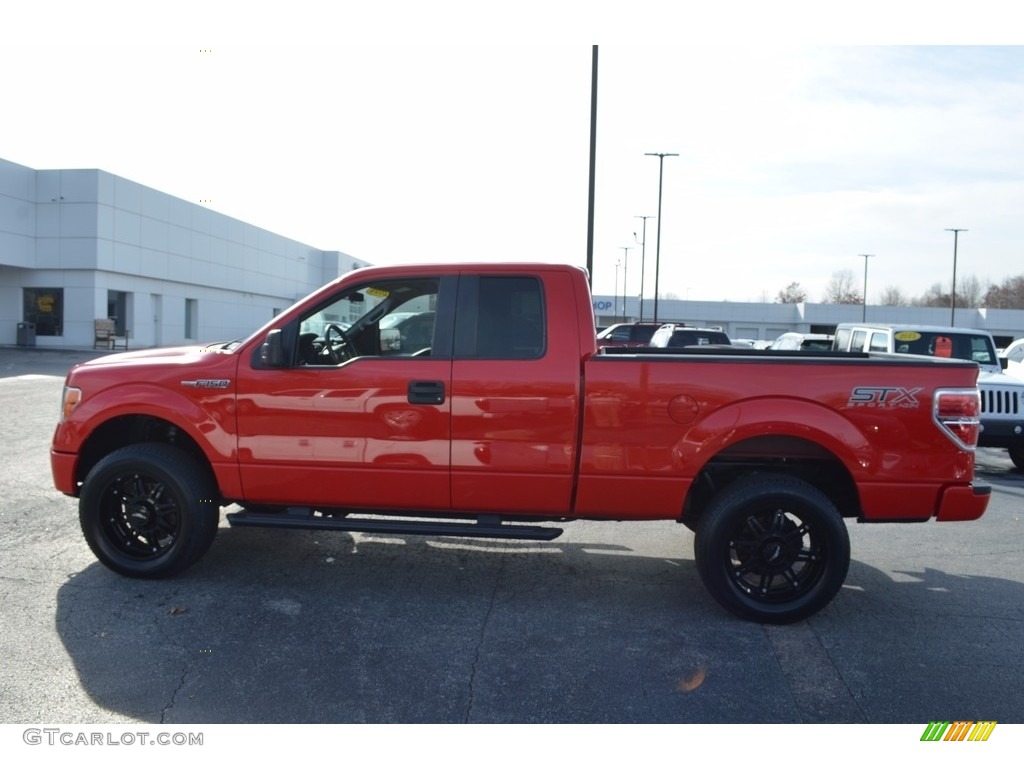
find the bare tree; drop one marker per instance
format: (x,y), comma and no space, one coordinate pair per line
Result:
(841,289)
(936,296)
(969,293)
(791,294)
(1009,294)
(892,296)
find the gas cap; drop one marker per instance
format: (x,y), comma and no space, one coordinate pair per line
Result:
(683,409)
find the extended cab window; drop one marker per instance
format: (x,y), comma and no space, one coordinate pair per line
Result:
(879,342)
(500,318)
(392,318)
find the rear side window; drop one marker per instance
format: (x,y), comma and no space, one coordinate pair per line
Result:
(619,334)
(842,340)
(509,318)
(642,333)
(879,342)
(857,345)
(697,338)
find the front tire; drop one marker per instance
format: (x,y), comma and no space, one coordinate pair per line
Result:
(148,510)
(772,548)
(1017,457)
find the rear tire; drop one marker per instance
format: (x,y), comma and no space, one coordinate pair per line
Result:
(772,548)
(149,510)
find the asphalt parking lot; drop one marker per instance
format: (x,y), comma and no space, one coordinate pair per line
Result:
(607,624)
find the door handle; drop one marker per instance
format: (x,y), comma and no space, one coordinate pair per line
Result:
(426,392)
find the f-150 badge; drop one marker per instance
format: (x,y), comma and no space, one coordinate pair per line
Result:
(207,383)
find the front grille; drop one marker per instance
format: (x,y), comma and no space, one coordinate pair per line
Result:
(1001,401)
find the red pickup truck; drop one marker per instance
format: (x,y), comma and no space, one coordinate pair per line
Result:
(472,400)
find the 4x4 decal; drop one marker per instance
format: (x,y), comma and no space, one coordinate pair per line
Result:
(884,397)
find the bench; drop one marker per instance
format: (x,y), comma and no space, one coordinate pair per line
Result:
(106,335)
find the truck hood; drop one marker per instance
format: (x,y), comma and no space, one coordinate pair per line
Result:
(157,356)
(999,380)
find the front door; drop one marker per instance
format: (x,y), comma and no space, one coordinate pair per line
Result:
(360,417)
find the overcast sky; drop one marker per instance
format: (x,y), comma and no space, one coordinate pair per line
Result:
(792,160)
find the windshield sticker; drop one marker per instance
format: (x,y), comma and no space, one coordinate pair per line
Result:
(377,293)
(907,336)
(943,346)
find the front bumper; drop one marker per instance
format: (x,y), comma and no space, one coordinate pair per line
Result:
(1001,434)
(62,465)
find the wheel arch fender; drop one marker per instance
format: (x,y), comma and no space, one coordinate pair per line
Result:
(101,423)
(755,421)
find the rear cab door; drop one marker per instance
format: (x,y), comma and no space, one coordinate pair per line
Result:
(515,391)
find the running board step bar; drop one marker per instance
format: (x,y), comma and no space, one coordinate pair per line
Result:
(486,527)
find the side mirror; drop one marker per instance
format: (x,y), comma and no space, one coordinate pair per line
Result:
(1004,363)
(390,340)
(272,350)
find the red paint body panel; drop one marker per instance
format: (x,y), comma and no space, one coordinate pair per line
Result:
(630,432)
(569,433)
(345,436)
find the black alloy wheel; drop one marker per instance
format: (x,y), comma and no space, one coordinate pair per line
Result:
(148,510)
(772,548)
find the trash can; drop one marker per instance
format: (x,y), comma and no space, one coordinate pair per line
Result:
(26,334)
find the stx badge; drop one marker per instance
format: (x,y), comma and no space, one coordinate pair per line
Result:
(884,397)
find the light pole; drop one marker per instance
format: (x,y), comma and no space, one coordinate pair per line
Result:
(864,311)
(643,259)
(657,254)
(625,274)
(952,299)
(616,294)
(593,167)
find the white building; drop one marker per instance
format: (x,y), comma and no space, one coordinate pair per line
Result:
(82,245)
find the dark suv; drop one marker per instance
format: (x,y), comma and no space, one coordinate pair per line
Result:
(671,335)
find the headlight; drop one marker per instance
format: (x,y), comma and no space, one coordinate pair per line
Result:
(72,397)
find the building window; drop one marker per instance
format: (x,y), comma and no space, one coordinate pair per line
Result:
(45,308)
(117,310)
(191,318)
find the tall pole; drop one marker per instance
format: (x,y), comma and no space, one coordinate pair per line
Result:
(616,294)
(657,253)
(625,274)
(864,311)
(643,258)
(952,298)
(593,168)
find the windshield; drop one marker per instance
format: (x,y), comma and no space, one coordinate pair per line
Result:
(962,346)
